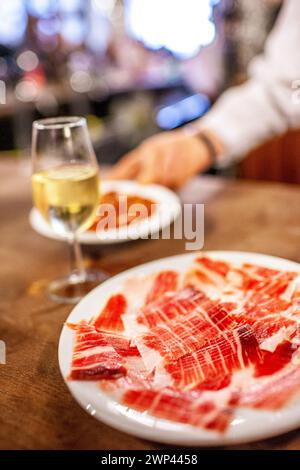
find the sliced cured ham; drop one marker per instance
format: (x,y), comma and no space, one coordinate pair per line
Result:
(192,348)
(110,318)
(218,277)
(272,394)
(214,266)
(93,357)
(165,281)
(271,330)
(214,384)
(170,341)
(194,408)
(275,361)
(173,305)
(215,278)
(122,344)
(235,350)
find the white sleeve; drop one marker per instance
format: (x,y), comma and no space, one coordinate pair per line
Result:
(246,115)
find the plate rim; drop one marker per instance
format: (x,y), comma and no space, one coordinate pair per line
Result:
(164,431)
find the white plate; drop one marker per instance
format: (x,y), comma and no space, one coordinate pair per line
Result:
(248,425)
(168,209)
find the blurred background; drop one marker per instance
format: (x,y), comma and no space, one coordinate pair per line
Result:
(133,67)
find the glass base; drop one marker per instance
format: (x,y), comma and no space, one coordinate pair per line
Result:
(72,288)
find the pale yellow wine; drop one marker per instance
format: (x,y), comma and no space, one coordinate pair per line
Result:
(67,196)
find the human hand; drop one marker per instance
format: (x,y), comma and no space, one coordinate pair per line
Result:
(169,158)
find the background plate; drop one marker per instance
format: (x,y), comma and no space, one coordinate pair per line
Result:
(168,209)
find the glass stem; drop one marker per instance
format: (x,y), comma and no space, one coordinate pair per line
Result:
(77,264)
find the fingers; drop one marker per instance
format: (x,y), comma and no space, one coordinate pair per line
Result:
(145,177)
(148,171)
(169,160)
(140,164)
(164,168)
(170,174)
(127,168)
(158,167)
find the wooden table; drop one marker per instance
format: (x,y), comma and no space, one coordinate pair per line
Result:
(36,409)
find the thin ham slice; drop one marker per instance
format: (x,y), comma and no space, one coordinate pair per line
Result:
(173,305)
(170,341)
(193,407)
(122,344)
(267,291)
(93,357)
(110,318)
(218,278)
(271,330)
(235,350)
(221,268)
(275,361)
(165,281)
(273,393)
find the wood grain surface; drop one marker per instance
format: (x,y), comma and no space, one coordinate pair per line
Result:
(36,409)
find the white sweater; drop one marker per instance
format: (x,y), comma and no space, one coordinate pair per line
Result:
(269,102)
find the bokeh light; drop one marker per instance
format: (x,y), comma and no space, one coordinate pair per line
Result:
(41,8)
(27,61)
(81,81)
(183,111)
(181,26)
(13,22)
(26,91)
(73,30)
